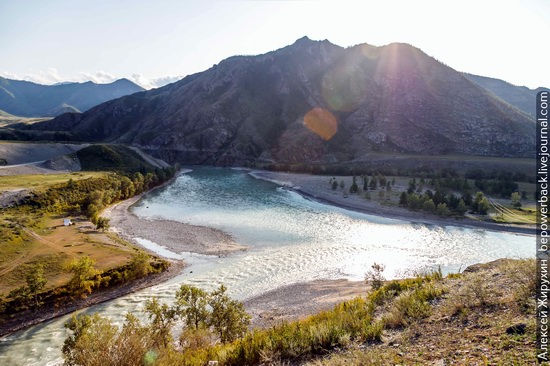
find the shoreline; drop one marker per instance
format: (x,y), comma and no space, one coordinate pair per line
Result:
(286,302)
(31,318)
(166,233)
(307,186)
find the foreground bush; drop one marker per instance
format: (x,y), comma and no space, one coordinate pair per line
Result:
(215,328)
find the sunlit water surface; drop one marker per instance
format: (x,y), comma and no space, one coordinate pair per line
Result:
(291,239)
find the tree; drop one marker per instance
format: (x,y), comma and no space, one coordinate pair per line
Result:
(523,195)
(461,208)
(89,343)
(36,282)
(191,305)
(96,341)
(228,319)
(428,205)
(334,185)
(140,265)
(442,209)
(516,199)
(403,199)
(365,183)
(481,205)
(373,184)
(374,276)
(342,184)
(163,317)
(354,188)
(413,201)
(102,223)
(83,281)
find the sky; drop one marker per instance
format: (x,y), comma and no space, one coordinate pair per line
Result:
(154,42)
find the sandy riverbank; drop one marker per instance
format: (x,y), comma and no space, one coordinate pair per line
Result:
(301,299)
(316,187)
(175,236)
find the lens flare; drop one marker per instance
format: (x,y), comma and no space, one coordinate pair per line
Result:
(321,122)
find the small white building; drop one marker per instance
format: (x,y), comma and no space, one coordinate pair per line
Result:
(67,222)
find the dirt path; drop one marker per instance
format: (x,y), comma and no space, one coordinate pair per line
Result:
(39,250)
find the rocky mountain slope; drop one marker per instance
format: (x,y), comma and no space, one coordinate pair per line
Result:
(26,99)
(311,102)
(520,97)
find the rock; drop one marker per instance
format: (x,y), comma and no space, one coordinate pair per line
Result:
(516,329)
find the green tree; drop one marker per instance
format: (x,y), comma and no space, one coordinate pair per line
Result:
(523,195)
(516,199)
(334,185)
(373,184)
(36,282)
(162,319)
(413,201)
(96,341)
(428,205)
(365,183)
(403,199)
(228,319)
(90,342)
(92,211)
(102,223)
(83,281)
(354,188)
(442,209)
(461,208)
(192,305)
(140,265)
(481,205)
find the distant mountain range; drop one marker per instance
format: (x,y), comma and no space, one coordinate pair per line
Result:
(313,102)
(520,97)
(26,99)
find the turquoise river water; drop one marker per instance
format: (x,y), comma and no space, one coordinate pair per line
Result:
(290,238)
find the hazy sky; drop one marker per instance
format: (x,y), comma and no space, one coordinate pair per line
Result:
(155,41)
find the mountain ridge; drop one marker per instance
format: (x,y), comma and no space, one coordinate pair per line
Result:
(522,97)
(391,98)
(28,99)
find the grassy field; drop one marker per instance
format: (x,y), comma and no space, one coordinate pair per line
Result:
(28,237)
(42,181)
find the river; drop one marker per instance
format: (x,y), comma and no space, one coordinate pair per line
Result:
(291,239)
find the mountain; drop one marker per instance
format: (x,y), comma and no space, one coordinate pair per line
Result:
(520,97)
(26,99)
(311,102)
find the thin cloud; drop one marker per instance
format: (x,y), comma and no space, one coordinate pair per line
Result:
(147,83)
(53,76)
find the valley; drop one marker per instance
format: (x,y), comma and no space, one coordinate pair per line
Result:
(356,201)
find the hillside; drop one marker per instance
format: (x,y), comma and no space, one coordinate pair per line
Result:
(26,99)
(520,97)
(311,102)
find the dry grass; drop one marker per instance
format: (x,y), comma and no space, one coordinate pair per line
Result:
(42,181)
(466,326)
(54,245)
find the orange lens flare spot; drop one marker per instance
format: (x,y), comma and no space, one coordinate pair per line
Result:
(321,122)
